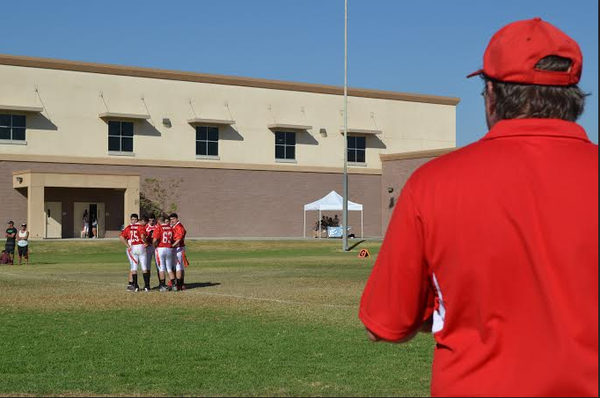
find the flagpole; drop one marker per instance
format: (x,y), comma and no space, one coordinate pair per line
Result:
(345,211)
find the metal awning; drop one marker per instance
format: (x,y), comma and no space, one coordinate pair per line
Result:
(21,108)
(362,131)
(288,127)
(128,116)
(210,122)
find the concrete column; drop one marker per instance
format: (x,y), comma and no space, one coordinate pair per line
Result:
(132,199)
(36,219)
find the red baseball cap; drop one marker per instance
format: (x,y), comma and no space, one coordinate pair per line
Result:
(515,49)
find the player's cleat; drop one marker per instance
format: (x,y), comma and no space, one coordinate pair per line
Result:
(163,289)
(174,288)
(147,289)
(136,289)
(130,288)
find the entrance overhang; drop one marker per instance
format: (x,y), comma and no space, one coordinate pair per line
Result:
(35,182)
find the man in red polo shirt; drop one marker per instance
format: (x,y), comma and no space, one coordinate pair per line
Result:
(496,244)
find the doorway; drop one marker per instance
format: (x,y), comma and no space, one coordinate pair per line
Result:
(53,213)
(96,211)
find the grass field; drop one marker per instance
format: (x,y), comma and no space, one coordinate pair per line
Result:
(258,319)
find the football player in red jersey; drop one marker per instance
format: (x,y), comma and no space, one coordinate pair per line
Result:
(151,227)
(179,233)
(134,237)
(133,220)
(163,241)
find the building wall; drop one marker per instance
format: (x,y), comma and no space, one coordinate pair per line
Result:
(246,191)
(397,169)
(72,101)
(13,202)
(217,202)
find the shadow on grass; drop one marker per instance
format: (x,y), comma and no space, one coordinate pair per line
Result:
(190,286)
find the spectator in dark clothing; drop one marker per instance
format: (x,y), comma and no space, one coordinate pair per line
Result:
(11,238)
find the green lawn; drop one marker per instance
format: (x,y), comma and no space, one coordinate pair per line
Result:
(259,318)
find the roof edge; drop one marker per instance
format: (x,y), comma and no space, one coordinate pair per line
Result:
(433,153)
(152,73)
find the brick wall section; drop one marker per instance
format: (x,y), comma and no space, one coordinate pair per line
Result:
(13,203)
(395,175)
(227,203)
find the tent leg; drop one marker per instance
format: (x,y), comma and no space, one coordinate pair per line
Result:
(362,224)
(320,226)
(304,224)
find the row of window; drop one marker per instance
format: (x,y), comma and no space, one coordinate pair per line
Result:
(120,139)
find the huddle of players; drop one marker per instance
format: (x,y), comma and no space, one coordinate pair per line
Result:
(161,239)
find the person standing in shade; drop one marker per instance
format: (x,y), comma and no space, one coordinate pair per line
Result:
(494,247)
(11,237)
(23,244)
(86,224)
(95,227)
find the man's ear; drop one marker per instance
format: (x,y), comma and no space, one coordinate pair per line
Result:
(490,104)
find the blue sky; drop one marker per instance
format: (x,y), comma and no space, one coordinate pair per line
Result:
(399,45)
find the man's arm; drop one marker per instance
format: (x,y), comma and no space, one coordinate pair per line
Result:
(157,236)
(178,236)
(122,238)
(425,328)
(398,299)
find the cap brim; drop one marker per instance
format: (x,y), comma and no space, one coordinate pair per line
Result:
(479,72)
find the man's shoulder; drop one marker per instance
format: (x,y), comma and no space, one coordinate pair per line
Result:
(450,163)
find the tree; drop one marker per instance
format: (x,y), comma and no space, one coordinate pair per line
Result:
(158,196)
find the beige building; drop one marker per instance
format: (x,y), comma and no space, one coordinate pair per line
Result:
(235,156)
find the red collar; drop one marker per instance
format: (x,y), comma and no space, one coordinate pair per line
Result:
(537,127)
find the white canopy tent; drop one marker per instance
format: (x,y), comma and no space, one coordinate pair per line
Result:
(332,202)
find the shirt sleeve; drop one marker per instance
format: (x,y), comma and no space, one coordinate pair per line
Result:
(398,299)
(125,232)
(179,233)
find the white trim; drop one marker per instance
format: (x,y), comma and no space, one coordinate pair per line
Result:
(199,122)
(361,132)
(287,127)
(207,157)
(21,108)
(123,116)
(290,161)
(13,142)
(357,164)
(439,316)
(116,153)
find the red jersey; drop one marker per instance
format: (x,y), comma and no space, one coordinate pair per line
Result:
(135,234)
(499,242)
(164,234)
(179,233)
(150,231)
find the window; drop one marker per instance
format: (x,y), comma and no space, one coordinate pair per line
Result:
(357,147)
(12,127)
(207,141)
(285,145)
(120,136)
